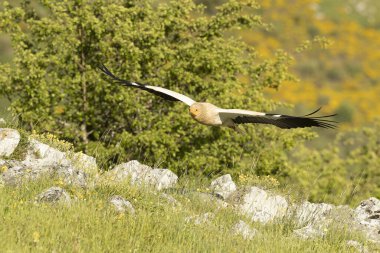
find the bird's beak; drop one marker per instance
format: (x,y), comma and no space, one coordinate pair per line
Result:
(192,112)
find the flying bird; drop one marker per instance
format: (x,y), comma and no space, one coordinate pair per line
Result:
(211,115)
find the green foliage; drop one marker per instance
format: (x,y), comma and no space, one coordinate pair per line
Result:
(344,175)
(53,83)
(345,112)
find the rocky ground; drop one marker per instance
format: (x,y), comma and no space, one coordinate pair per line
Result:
(258,205)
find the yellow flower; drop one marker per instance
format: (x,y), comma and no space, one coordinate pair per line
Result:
(60,182)
(36,236)
(3,169)
(120,216)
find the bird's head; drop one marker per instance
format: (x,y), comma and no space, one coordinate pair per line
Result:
(195,109)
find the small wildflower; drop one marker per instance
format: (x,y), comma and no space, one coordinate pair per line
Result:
(3,169)
(120,216)
(60,182)
(36,236)
(268,180)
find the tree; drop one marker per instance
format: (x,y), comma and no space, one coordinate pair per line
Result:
(54,85)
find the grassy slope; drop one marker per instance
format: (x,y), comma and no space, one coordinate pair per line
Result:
(91,225)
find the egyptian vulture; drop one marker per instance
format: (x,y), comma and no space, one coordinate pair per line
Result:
(211,115)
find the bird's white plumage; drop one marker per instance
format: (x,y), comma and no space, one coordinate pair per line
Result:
(174,94)
(233,113)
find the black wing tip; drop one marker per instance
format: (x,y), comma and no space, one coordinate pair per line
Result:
(314,112)
(288,122)
(106,71)
(305,123)
(323,124)
(317,121)
(319,117)
(116,79)
(321,121)
(313,122)
(138,85)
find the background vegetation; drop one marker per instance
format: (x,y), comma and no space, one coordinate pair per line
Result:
(265,55)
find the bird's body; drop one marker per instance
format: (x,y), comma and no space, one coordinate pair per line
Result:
(211,115)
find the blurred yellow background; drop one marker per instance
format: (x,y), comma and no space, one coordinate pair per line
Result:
(338,57)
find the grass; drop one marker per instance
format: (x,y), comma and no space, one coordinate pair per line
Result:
(90,224)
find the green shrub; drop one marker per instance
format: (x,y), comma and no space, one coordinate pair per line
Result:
(345,171)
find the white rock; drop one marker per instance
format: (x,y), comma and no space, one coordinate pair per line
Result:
(54,195)
(40,154)
(243,229)
(368,218)
(12,176)
(223,186)
(368,210)
(357,245)
(71,176)
(141,174)
(205,218)
(42,159)
(308,213)
(262,207)
(122,205)
(84,162)
(17,172)
(310,232)
(161,178)
(9,139)
(2,121)
(132,170)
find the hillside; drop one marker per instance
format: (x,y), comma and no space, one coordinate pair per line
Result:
(58,201)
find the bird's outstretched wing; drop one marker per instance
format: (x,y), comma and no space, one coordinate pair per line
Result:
(161,92)
(282,121)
